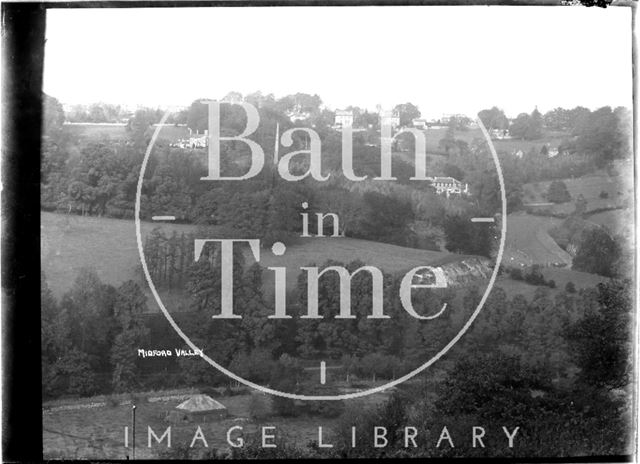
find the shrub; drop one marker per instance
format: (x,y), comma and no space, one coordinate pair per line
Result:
(259,407)
(534,276)
(570,287)
(551,283)
(516,274)
(604,194)
(558,192)
(112,401)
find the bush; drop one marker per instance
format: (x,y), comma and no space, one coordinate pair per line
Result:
(534,276)
(259,407)
(112,401)
(551,283)
(604,194)
(516,274)
(558,192)
(285,407)
(570,287)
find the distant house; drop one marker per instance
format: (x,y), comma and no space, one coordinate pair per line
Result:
(343,118)
(420,123)
(449,186)
(499,134)
(390,117)
(196,140)
(296,114)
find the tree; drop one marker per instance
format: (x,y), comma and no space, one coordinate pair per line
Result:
(534,128)
(494,118)
(519,126)
(600,342)
(464,236)
(53,115)
(129,307)
(90,308)
(451,170)
(605,135)
(407,113)
(558,119)
(598,252)
(386,219)
(558,192)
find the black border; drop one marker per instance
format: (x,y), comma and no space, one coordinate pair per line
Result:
(23,55)
(23,26)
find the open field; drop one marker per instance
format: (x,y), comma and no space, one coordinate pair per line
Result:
(98,433)
(560,276)
(70,243)
(618,189)
(528,242)
(433,137)
(118,131)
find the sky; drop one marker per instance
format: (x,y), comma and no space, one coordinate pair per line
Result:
(444,59)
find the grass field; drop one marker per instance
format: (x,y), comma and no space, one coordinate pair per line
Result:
(619,190)
(70,243)
(528,242)
(433,137)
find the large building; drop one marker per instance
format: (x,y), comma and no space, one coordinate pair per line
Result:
(449,186)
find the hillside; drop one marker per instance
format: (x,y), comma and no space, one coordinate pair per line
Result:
(528,242)
(599,190)
(109,245)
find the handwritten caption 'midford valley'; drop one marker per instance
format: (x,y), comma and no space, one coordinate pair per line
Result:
(168,353)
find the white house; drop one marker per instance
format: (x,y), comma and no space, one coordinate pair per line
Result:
(343,118)
(449,186)
(420,123)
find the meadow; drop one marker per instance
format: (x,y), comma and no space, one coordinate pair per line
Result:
(434,135)
(528,242)
(600,190)
(108,245)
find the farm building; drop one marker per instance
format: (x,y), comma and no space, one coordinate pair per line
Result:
(200,408)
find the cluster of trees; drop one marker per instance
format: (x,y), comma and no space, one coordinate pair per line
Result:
(533,275)
(89,337)
(600,252)
(527,126)
(552,368)
(603,134)
(108,113)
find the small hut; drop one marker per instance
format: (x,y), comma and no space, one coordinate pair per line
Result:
(198,408)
